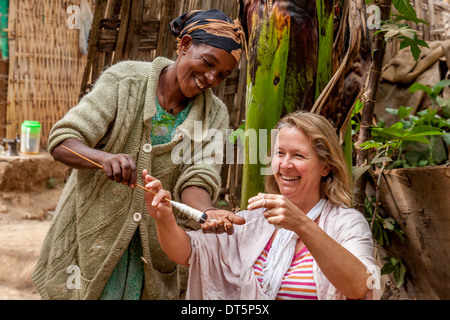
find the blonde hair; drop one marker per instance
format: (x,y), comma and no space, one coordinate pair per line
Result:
(337,185)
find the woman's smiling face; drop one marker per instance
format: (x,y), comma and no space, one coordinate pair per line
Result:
(202,67)
(297,168)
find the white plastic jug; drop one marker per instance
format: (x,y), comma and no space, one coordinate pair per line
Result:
(30,137)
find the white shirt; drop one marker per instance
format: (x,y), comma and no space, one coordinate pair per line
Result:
(221,265)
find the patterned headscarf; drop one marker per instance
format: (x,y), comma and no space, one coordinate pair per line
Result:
(211,27)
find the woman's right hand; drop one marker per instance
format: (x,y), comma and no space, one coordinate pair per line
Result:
(120,168)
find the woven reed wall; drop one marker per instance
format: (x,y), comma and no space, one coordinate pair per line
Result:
(45,65)
(437,13)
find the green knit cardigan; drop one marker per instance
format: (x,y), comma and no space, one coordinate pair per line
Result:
(96,218)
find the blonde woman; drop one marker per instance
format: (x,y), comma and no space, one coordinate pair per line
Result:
(302,239)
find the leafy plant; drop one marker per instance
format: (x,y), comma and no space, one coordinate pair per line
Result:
(394,140)
(382,228)
(356,119)
(396,28)
(433,92)
(382,231)
(395,266)
(406,12)
(413,139)
(408,35)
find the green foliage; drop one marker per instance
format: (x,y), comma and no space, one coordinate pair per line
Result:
(396,139)
(397,27)
(409,36)
(416,140)
(434,92)
(395,266)
(356,119)
(406,12)
(383,229)
(398,145)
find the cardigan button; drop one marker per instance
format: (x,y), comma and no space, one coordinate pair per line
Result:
(147,148)
(137,217)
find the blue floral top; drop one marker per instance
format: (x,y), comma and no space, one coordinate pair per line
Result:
(164,124)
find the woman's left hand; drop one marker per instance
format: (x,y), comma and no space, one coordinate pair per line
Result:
(220,221)
(279,211)
(158,208)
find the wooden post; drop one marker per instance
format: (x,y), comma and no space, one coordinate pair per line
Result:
(4,66)
(369,105)
(90,72)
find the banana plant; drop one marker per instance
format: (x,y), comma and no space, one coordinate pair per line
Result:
(281,75)
(297,60)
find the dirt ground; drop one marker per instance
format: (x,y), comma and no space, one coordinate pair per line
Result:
(24,220)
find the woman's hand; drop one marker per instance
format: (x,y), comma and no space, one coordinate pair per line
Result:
(280,211)
(346,272)
(174,241)
(158,208)
(120,168)
(220,221)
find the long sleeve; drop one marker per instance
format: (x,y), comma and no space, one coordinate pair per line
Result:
(101,116)
(221,266)
(203,163)
(350,229)
(91,118)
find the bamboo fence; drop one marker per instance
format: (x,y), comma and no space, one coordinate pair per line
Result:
(45,64)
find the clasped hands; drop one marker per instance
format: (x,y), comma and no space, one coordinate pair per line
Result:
(219,221)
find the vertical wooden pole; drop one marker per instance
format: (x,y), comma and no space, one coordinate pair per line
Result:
(4,65)
(369,104)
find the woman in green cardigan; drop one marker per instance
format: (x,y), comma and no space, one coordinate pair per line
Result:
(102,244)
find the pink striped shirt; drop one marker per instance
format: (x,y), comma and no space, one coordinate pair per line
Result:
(298,282)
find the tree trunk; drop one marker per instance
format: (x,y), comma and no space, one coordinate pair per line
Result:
(325,15)
(292,54)
(417,198)
(282,66)
(369,105)
(351,60)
